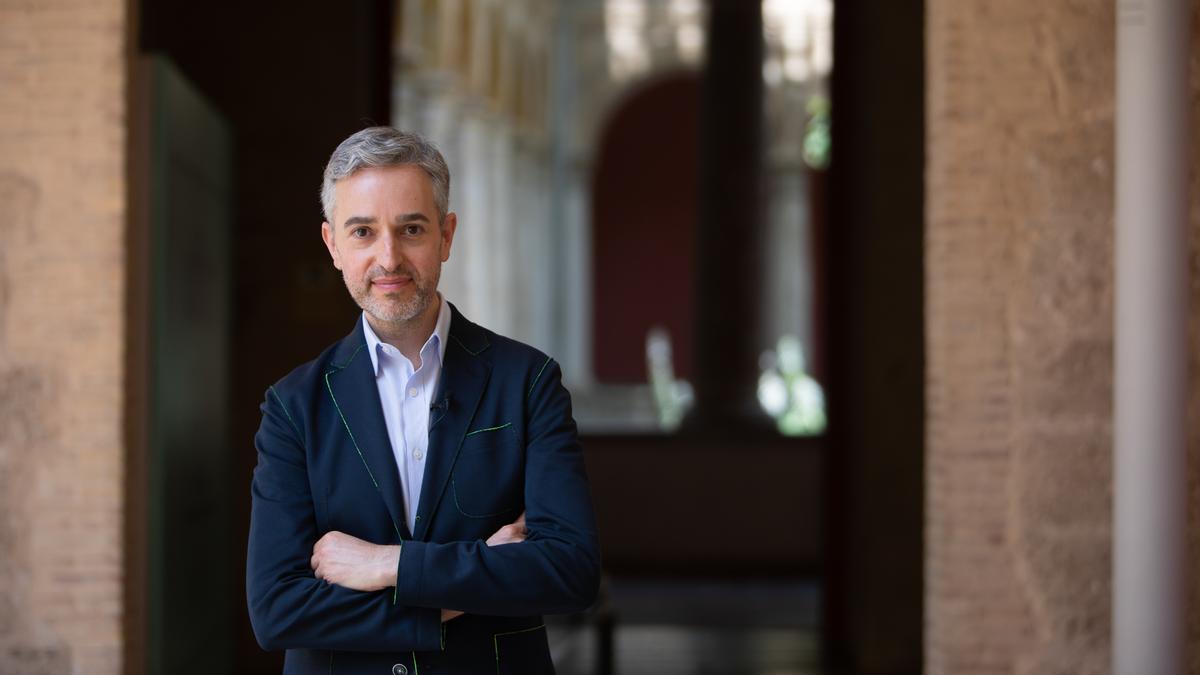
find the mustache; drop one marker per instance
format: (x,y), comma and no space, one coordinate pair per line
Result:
(376,272)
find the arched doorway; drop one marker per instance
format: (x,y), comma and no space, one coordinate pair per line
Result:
(644,209)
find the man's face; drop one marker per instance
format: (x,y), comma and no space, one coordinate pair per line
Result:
(387,241)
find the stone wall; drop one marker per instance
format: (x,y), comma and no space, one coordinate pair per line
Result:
(1193,628)
(1019,291)
(62,309)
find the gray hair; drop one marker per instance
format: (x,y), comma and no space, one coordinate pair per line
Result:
(385,146)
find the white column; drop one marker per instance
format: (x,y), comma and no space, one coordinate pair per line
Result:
(541,246)
(1151,330)
(570,228)
(576,255)
(500,248)
(525,263)
(789,257)
(472,183)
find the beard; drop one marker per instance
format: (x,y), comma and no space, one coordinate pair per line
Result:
(396,307)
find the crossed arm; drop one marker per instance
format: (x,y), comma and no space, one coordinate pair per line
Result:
(359,565)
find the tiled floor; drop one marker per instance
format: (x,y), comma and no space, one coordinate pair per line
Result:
(671,627)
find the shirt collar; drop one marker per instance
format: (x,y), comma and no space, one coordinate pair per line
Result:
(441,333)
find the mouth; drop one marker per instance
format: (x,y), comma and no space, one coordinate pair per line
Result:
(387,284)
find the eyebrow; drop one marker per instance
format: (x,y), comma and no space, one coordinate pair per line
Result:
(369,220)
(358,220)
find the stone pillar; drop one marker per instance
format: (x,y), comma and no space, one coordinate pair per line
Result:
(468,264)
(501,182)
(1151,378)
(63,81)
(1019,330)
(568,230)
(788,293)
(729,255)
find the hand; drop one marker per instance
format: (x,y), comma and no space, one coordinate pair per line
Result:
(353,563)
(513,533)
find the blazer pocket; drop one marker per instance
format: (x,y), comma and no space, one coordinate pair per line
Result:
(491,438)
(475,504)
(488,476)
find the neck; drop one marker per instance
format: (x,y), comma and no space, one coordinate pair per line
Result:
(409,336)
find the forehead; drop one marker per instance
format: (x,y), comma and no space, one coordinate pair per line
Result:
(404,187)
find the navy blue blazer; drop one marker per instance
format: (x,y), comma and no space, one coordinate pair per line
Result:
(501,441)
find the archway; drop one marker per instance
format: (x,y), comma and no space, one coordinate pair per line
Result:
(644,209)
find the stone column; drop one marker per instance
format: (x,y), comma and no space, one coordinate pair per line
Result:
(1151,325)
(465,274)
(729,255)
(1019,330)
(63,189)
(788,293)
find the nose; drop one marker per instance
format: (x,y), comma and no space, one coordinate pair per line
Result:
(389,251)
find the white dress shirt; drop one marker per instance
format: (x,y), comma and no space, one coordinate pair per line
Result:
(406,394)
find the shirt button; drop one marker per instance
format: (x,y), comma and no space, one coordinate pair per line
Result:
(417,455)
(412,392)
(399,669)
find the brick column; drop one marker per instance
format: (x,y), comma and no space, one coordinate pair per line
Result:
(62,334)
(1019,330)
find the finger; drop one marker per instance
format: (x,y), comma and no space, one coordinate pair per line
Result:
(520,520)
(312,562)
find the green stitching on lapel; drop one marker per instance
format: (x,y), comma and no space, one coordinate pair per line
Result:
(416,670)
(354,442)
(351,434)
(342,366)
(480,431)
(538,377)
(496,641)
(271,389)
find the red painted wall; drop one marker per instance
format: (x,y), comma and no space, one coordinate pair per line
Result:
(644,212)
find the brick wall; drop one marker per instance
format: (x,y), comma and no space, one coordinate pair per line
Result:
(1019,289)
(1193,634)
(62,195)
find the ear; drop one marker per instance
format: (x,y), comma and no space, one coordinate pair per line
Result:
(449,224)
(327,235)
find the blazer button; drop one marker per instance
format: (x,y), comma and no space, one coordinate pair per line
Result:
(399,669)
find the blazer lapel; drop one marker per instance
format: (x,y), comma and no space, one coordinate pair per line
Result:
(350,384)
(464,378)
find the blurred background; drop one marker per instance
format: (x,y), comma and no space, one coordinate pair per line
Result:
(830,283)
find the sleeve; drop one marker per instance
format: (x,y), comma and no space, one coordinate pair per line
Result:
(289,607)
(557,568)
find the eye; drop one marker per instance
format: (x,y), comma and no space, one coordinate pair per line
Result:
(413,230)
(360,232)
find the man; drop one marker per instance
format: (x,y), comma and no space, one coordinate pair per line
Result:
(420,497)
